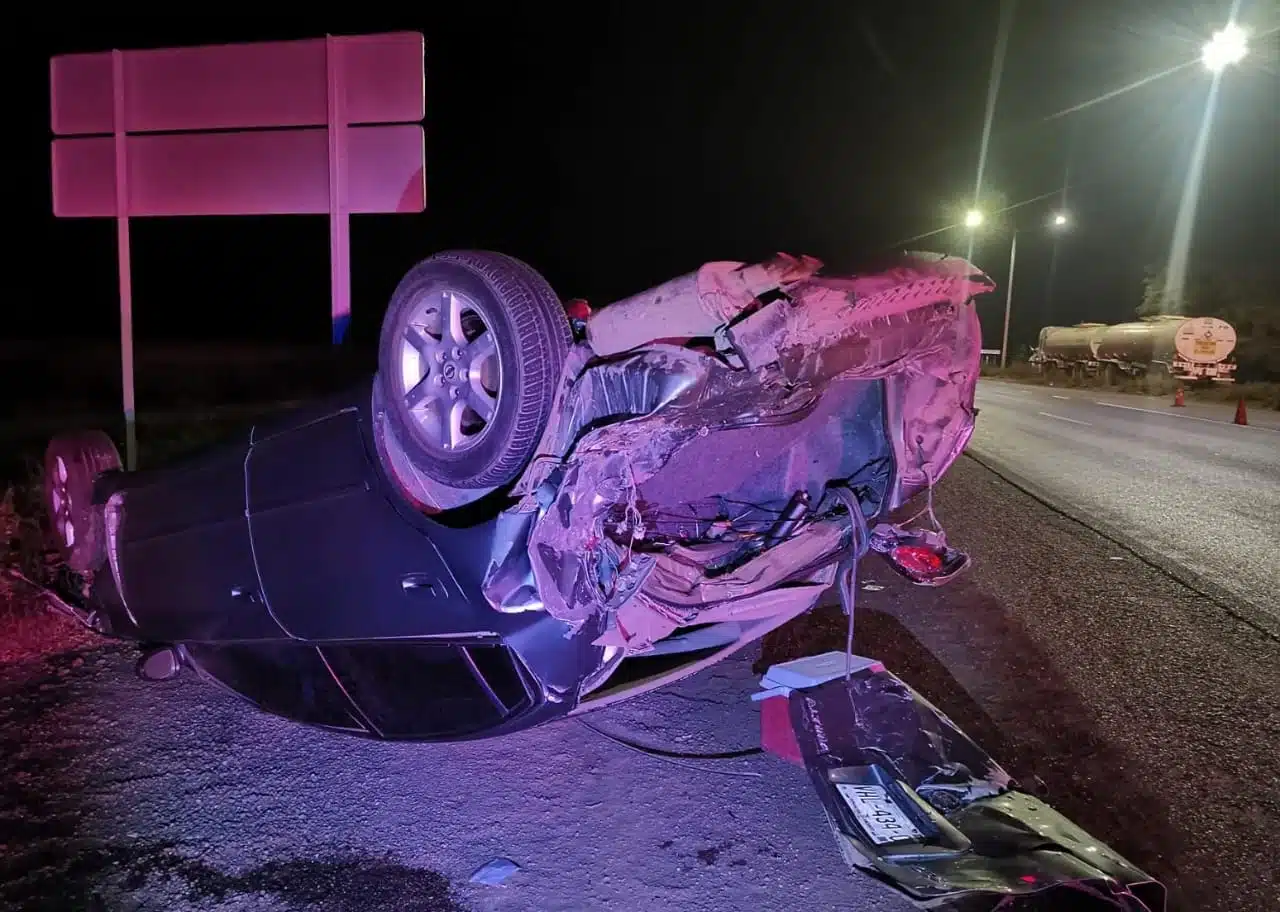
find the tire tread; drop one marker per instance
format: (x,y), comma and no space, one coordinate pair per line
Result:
(542,328)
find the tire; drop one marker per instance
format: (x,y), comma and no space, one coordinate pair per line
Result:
(72,462)
(466,410)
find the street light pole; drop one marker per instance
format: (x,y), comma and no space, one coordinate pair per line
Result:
(1008,300)
(972,220)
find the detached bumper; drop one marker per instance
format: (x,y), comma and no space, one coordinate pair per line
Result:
(914,802)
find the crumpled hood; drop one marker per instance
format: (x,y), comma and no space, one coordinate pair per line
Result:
(811,380)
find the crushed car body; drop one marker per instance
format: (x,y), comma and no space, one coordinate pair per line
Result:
(527,514)
(694,472)
(677,486)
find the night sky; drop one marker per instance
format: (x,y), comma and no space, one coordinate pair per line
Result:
(616,145)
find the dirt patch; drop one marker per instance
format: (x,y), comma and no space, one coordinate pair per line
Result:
(31,633)
(28,628)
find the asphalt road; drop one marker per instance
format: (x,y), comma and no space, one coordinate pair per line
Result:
(1187,487)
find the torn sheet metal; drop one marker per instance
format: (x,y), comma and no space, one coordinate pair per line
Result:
(665,472)
(692,305)
(642,622)
(963,829)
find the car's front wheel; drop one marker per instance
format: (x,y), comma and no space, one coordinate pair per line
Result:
(472,345)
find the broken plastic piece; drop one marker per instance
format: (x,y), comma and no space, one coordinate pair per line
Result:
(159,664)
(810,671)
(494,873)
(927,566)
(917,559)
(577,309)
(693,305)
(777,737)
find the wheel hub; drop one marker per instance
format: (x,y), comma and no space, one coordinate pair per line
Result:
(60,503)
(451,370)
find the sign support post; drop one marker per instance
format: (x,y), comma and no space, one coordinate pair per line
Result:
(314,126)
(339,215)
(1008,302)
(122,254)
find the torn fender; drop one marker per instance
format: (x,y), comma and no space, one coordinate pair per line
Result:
(693,305)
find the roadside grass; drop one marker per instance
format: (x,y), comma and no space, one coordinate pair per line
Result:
(28,627)
(1264,394)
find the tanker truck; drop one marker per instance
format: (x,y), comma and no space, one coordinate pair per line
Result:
(1187,348)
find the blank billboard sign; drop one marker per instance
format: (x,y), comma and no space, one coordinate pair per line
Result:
(311,127)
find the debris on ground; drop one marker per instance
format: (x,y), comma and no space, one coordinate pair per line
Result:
(494,873)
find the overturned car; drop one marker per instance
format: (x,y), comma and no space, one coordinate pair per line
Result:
(528,514)
(522,516)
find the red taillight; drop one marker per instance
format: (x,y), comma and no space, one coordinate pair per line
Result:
(917,560)
(922,556)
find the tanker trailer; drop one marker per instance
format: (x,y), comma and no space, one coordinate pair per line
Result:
(1067,347)
(1188,348)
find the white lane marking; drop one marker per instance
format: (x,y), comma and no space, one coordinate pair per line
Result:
(1062,418)
(1060,397)
(1134,408)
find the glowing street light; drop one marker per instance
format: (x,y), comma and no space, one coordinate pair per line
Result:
(1228,46)
(1060,220)
(973,218)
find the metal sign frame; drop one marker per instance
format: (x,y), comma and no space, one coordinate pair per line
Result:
(214,130)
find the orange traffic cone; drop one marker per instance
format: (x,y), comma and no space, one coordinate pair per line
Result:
(1242,417)
(1179,398)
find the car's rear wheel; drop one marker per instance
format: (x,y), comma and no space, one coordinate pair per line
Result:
(71,464)
(472,345)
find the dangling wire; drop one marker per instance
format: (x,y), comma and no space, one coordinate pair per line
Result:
(847,573)
(928,503)
(848,588)
(677,757)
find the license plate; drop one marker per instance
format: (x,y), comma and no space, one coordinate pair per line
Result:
(882,820)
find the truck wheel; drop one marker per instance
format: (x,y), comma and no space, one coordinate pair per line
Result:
(72,462)
(472,345)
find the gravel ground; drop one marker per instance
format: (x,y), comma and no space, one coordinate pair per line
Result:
(1143,710)
(119,795)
